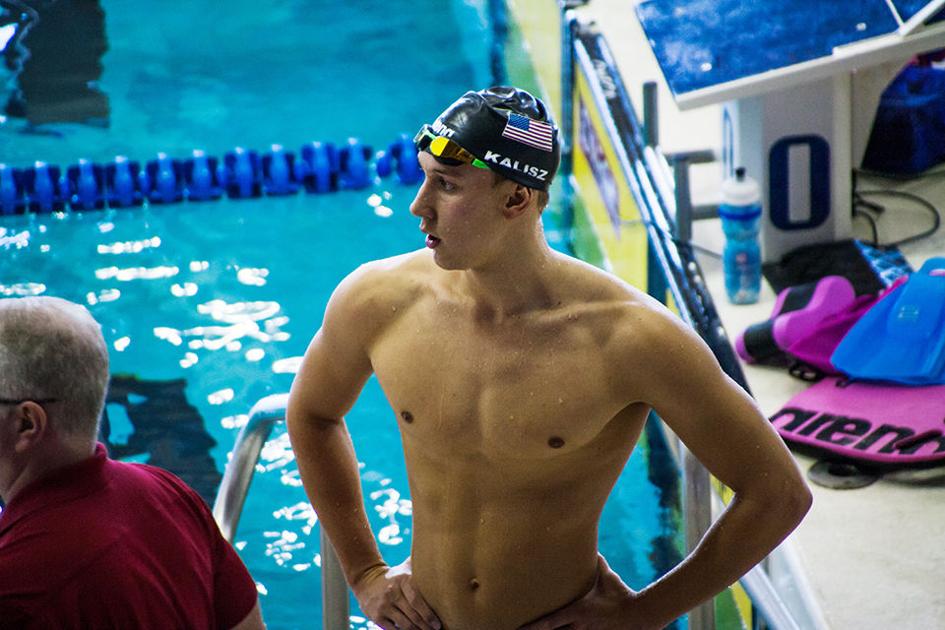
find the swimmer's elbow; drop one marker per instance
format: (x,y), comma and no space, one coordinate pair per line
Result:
(795,494)
(787,492)
(783,499)
(790,503)
(799,501)
(300,418)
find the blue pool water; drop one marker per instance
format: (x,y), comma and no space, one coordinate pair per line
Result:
(208,307)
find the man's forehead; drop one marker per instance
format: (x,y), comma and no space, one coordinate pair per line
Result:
(434,165)
(431,162)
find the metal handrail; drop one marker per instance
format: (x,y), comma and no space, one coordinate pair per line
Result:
(228,505)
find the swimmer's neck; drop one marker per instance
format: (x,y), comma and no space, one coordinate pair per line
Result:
(522,280)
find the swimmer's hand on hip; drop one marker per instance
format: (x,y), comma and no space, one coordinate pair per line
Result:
(609,605)
(389,598)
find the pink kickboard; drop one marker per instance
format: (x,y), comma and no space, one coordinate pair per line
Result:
(887,424)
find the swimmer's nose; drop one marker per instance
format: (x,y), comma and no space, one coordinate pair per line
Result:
(420,207)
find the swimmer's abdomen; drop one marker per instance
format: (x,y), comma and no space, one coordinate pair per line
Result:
(503,572)
(498,545)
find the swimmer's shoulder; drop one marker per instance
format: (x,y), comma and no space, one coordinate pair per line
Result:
(382,287)
(630,316)
(591,285)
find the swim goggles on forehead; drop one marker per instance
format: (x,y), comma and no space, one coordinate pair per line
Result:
(443,147)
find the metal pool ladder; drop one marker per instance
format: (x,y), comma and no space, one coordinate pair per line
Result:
(228,506)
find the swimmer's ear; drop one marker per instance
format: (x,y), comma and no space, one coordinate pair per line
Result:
(517,200)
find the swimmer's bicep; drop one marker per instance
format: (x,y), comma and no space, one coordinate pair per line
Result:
(328,382)
(716,419)
(336,363)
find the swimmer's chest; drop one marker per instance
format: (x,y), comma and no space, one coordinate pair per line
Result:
(538,387)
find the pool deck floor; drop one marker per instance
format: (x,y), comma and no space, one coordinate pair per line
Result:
(873,556)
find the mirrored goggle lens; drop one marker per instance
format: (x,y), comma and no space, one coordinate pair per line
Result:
(443,147)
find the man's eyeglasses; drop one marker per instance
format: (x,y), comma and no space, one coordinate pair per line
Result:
(38,401)
(443,147)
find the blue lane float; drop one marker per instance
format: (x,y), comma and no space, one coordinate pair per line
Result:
(400,156)
(202,177)
(405,155)
(241,174)
(317,168)
(161,181)
(122,183)
(277,172)
(86,185)
(11,191)
(44,189)
(354,161)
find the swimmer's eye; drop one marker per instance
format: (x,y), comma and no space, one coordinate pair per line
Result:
(446,185)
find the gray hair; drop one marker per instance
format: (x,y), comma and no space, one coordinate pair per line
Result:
(52,348)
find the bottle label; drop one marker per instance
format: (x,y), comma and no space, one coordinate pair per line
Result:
(739,213)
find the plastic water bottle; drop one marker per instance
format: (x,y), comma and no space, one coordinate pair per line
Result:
(740,212)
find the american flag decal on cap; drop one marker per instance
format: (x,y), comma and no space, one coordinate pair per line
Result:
(534,133)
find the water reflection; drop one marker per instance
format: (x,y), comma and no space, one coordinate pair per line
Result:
(15,240)
(287,366)
(292,478)
(56,54)
(389,505)
(277,453)
(376,201)
(221,396)
(234,422)
(22,289)
(282,547)
(252,277)
(190,359)
(136,273)
(129,247)
(105,295)
(186,289)
(301,511)
(240,320)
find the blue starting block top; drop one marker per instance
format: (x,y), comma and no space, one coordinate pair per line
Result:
(909,9)
(704,45)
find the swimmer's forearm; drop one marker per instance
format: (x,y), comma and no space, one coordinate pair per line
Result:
(748,530)
(329,470)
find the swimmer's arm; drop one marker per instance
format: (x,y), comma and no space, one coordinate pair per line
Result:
(723,427)
(332,374)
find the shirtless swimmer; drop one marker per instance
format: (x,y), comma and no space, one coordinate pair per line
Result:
(520,379)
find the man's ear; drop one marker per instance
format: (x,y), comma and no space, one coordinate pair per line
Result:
(517,201)
(32,422)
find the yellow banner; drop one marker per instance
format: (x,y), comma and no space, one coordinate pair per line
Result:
(612,211)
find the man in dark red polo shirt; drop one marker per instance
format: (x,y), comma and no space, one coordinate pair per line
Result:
(86,541)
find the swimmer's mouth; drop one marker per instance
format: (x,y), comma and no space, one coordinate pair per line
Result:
(432,241)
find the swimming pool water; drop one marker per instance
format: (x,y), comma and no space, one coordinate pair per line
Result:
(208,307)
(216,75)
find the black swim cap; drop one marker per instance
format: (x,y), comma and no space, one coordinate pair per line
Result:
(508,129)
